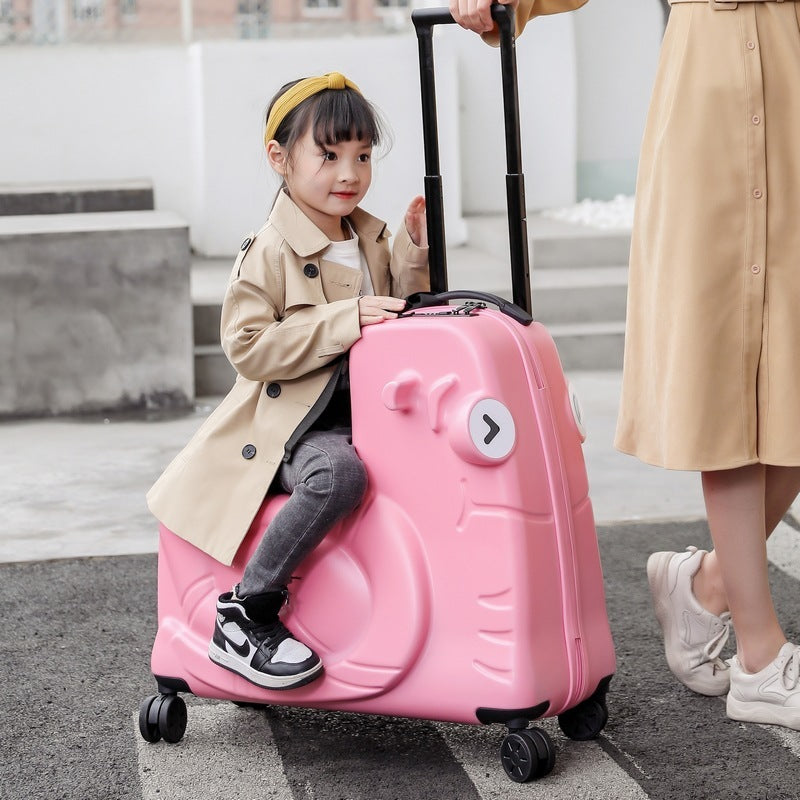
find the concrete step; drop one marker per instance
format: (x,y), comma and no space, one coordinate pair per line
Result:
(205,318)
(590,295)
(552,243)
(213,373)
(75,198)
(589,346)
(559,295)
(584,308)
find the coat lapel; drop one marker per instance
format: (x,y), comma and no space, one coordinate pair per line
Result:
(372,235)
(308,242)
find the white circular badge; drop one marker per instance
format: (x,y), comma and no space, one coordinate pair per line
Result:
(492,429)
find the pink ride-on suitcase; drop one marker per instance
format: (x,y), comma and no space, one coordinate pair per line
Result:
(467,587)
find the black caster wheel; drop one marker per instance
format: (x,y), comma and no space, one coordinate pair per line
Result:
(585,721)
(148,726)
(172,718)
(527,754)
(162,716)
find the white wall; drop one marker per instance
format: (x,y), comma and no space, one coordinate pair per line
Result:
(548,110)
(190,120)
(234,83)
(617,48)
(97,113)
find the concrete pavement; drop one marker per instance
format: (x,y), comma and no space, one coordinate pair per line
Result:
(75,486)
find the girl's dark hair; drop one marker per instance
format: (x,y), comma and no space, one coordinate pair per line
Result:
(333,115)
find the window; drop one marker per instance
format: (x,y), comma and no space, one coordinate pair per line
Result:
(87,10)
(324,6)
(252,19)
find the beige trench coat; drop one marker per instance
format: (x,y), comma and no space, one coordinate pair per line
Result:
(712,353)
(287,317)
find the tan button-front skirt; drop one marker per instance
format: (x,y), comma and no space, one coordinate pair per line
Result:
(711,378)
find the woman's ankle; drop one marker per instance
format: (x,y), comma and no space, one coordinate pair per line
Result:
(757,655)
(708,588)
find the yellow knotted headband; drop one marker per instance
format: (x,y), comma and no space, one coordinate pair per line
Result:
(301,91)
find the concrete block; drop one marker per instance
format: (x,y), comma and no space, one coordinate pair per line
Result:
(206,319)
(553,244)
(590,346)
(213,373)
(75,198)
(95,313)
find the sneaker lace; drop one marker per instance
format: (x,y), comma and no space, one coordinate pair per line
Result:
(790,674)
(715,645)
(270,634)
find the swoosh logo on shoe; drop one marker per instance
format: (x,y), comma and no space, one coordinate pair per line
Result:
(240,648)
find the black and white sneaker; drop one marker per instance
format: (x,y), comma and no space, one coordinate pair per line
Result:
(250,640)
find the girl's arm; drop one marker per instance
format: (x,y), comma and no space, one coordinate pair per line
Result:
(264,343)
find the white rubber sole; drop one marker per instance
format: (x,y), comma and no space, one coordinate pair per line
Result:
(278,682)
(711,684)
(763,713)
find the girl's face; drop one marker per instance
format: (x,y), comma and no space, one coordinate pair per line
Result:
(326,181)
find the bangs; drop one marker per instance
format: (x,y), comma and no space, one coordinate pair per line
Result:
(342,115)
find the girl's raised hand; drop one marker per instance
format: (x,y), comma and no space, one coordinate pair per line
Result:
(417,222)
(374,308)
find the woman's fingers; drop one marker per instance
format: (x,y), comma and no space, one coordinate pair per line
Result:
(475,15)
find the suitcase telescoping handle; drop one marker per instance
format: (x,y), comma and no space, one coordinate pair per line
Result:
(424,20)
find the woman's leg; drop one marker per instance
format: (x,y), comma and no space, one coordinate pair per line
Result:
(782,485)
(737,517)
(689,593)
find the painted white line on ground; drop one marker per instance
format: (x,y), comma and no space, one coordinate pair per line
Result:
(227,752)
(582,770)
(783,549)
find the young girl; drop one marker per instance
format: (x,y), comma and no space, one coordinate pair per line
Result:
(300,292)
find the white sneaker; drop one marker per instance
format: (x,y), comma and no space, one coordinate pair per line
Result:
(693,637)
(771,696)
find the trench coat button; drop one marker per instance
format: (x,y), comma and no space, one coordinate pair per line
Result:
(246,243)
(755,269)
(311,270)
(248,451)
(758,194)
(273,390)
(756,119)
(751,45)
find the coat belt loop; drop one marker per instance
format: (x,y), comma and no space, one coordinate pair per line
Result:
(723,5)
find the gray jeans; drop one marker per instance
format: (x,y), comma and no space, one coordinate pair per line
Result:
(326,480)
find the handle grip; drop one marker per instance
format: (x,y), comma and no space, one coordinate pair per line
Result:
(428,299)
(424,20)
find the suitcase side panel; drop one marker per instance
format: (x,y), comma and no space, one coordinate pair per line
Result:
(505,503)
(596,643)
